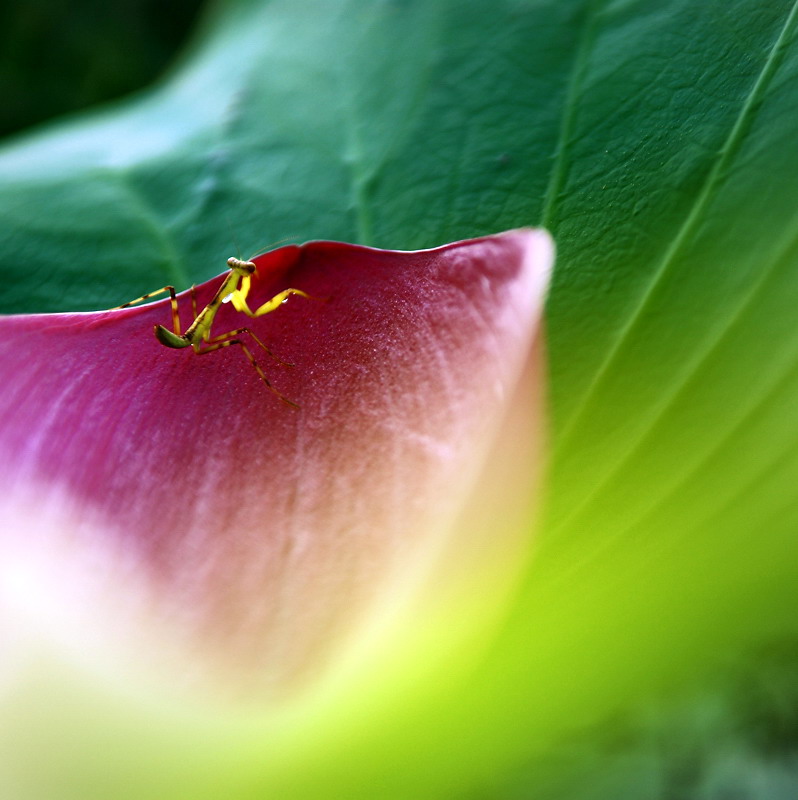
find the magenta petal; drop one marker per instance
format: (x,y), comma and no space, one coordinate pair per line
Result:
(143,483)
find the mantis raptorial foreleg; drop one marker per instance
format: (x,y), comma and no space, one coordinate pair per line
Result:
(239,300)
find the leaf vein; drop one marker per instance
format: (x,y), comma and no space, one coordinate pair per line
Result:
(708,190)
(561,151)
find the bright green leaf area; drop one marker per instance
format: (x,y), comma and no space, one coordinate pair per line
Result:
(658,141)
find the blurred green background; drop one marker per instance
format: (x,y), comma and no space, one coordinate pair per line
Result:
(59,57)
(651,651)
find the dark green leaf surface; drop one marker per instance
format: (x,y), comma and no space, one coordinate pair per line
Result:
(392,124)
(659,143)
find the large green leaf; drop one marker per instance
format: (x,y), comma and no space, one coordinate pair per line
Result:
(657,140)
(391,124)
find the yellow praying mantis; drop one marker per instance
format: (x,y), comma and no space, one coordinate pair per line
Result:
(234,289)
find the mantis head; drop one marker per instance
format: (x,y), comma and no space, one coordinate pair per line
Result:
(241,267)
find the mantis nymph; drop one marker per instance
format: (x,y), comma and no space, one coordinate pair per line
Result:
(234,288)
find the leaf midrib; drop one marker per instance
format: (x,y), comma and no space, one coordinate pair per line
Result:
(704,196)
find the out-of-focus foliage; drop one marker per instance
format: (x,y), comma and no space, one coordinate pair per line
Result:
(735,736)
(58,57)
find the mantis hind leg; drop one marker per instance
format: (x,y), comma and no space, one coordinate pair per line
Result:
(231,334)
(228,339)
(172,295)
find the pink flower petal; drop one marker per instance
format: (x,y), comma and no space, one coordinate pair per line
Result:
(163,491)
